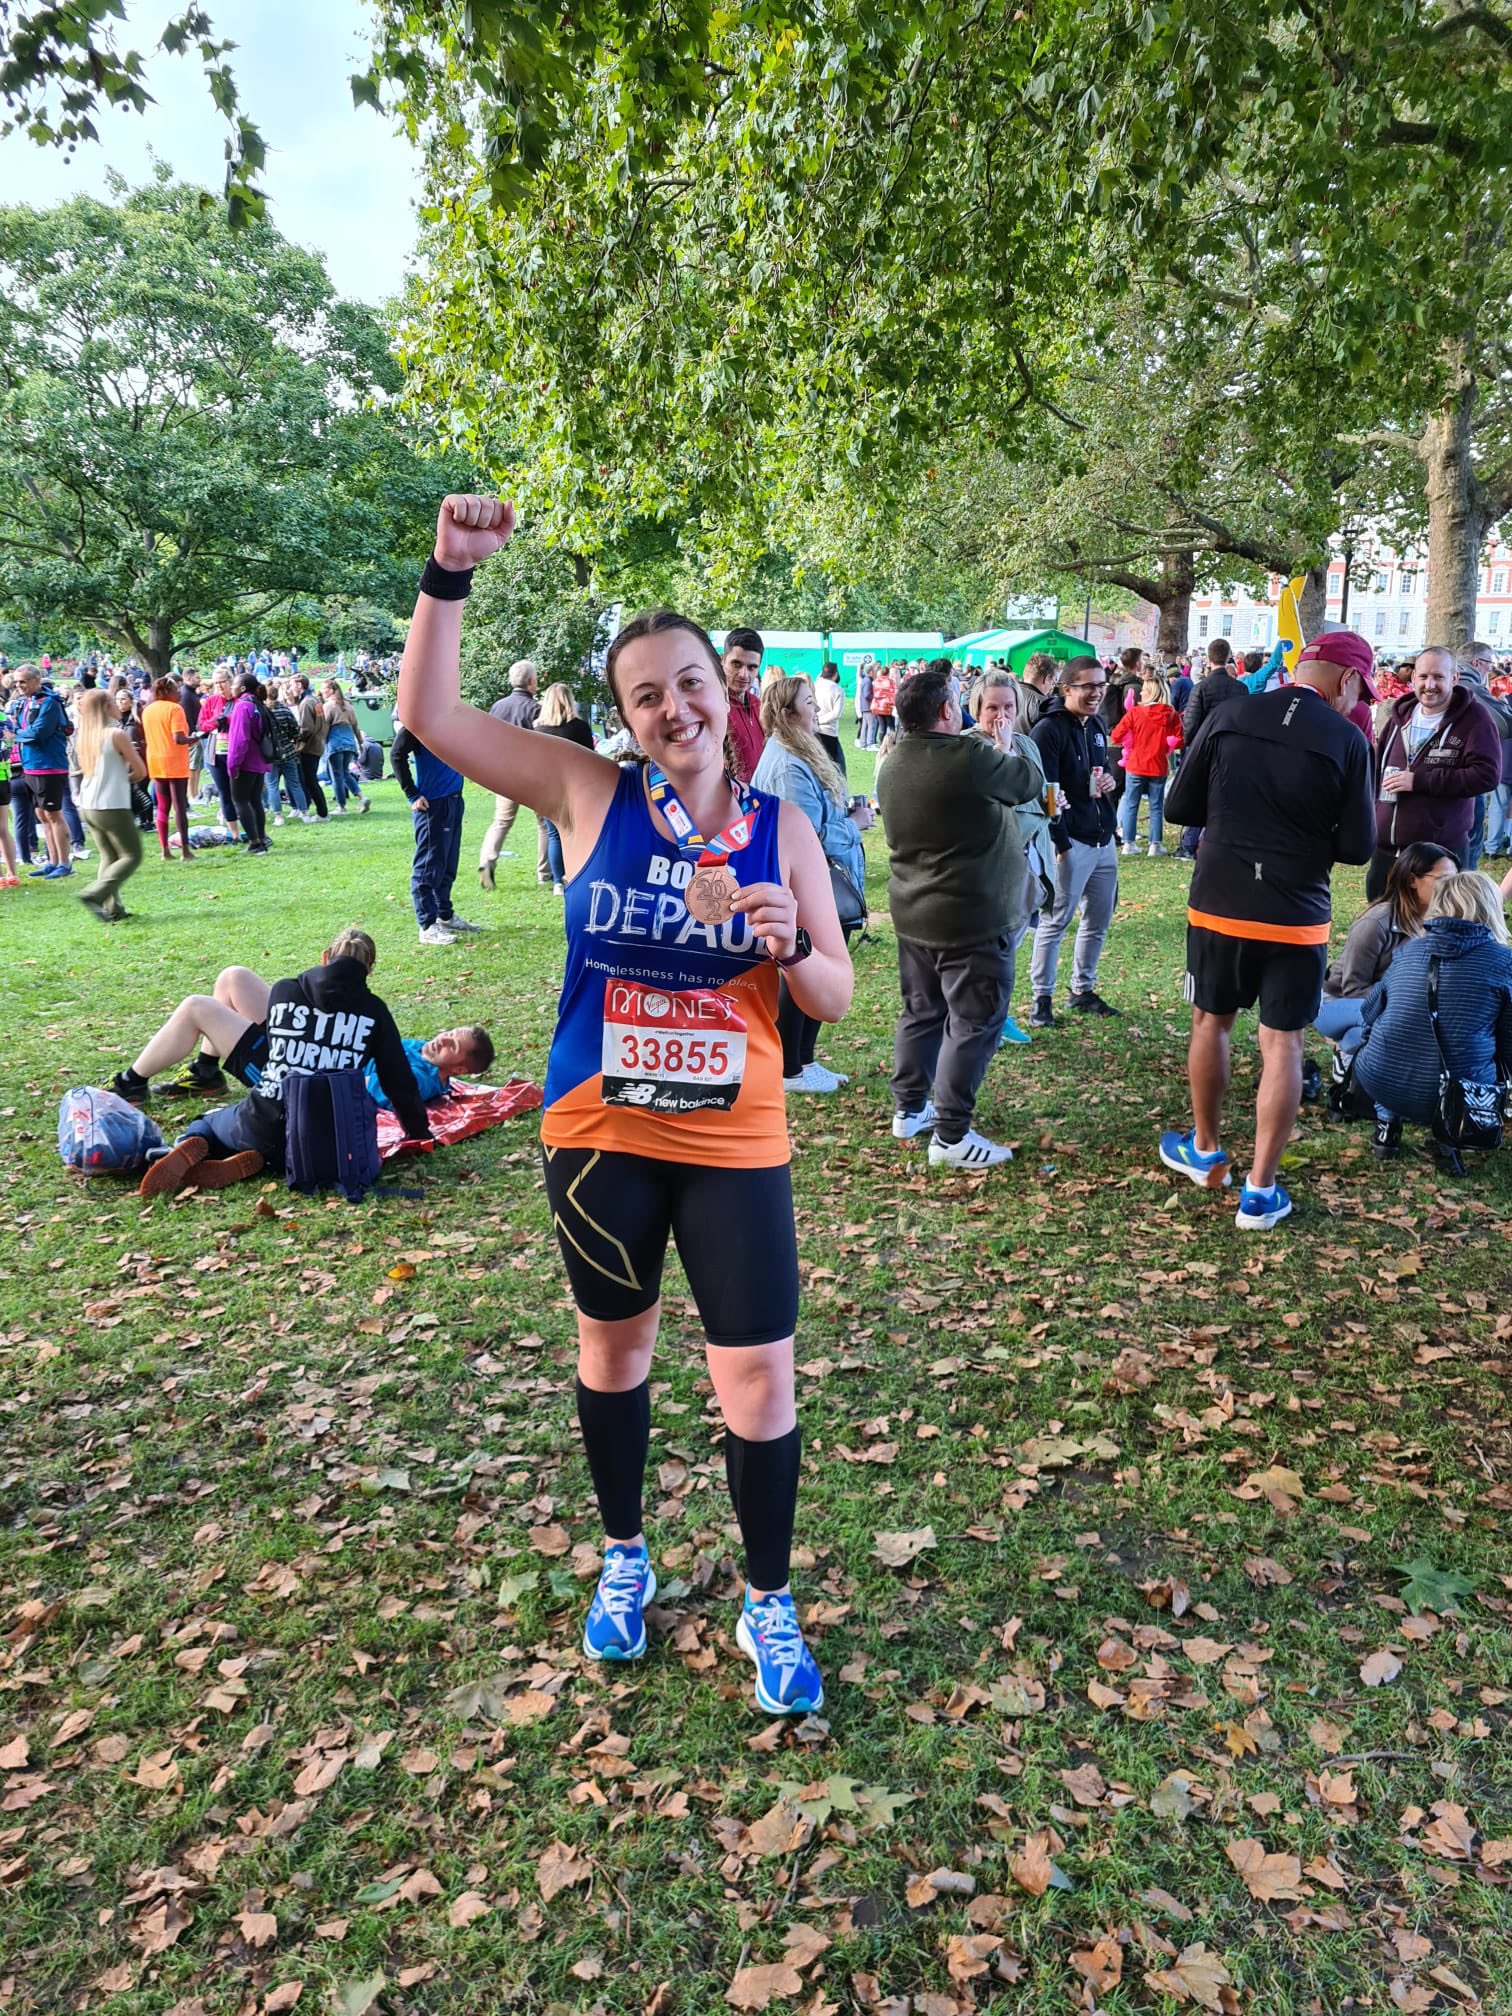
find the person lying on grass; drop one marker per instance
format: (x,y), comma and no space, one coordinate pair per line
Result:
(326,1019)
(231,1028)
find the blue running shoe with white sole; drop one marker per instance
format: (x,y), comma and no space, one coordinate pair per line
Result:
(1260,1209)
(1180,1152)
(787,1679)
(616,1626)
(1012,1033)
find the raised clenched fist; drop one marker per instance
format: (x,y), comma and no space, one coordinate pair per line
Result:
(468,529)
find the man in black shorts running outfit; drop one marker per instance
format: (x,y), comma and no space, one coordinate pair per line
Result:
(1281,781)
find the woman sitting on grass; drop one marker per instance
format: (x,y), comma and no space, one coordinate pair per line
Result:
(1398,1065)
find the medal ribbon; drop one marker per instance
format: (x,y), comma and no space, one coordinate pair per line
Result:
(689,841)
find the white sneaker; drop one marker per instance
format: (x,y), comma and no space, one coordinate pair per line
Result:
(907,1125)
(1128,848)
(308,818)
(454,924)
(972,1151)
(1158,853)
(337,810)
(278,818)
(559,889)
(836,1078)
(812,1078)
(78,853)
(437,934)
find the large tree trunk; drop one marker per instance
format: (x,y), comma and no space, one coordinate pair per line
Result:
(1457,522)
(1178,578)
(1312,603)
(159,647)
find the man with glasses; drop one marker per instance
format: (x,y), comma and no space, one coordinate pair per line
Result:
(1074,749)
(1282,784)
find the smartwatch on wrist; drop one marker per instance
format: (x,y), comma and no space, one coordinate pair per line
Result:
(802,946)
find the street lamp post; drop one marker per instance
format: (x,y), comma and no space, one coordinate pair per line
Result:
(1349,532)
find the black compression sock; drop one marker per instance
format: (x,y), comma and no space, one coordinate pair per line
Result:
(616,1438)
(763,1480)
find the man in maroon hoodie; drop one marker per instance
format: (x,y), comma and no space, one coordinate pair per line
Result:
(1437,753)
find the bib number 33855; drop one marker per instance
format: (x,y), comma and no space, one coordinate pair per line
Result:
(671,1052)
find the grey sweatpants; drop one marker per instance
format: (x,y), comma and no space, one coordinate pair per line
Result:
(954,1003)
(1087,876)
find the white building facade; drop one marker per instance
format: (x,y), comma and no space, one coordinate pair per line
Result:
(1390,608)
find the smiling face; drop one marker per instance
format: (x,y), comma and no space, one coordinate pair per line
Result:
(451,1052)
(673,701)
(1083,694)
(1433,680)
(804,710)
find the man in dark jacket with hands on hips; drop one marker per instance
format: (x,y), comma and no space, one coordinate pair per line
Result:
(434,791)
(1074,748)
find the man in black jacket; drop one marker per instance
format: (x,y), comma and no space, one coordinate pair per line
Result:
(324,1019)
(1077,759)
(1282,783)
(1217,688)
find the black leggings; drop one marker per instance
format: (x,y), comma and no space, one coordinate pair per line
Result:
(222,776)
(309,776)
(614,1214)
(834,748)
(247,790)
(797,1032)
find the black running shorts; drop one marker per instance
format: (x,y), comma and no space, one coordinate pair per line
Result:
(613,1214)
(1226,974)
(248,1055)
(47,789)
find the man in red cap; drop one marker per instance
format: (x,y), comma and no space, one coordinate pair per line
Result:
(1439,751)
(1281,781)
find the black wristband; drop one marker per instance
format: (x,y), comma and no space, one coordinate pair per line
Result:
(445,584)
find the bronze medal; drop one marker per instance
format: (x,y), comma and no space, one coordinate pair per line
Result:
(710,895)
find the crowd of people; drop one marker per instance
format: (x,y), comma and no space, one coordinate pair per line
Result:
(707,852)
(104,754)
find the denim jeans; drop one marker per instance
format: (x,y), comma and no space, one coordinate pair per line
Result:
(1136,788)
(287,773)
(1499,819)
(554,853)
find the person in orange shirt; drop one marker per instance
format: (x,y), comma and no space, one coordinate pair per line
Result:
(166,727)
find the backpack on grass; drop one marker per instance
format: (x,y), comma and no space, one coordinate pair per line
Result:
(103,1134)
(330,1133)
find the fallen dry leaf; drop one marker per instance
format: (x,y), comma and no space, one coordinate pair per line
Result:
(1379,1667)
(71,1726)
(1086,1784)
(559,1868)
(282,1997)
(1102,1965)
(419,1885)
(258,1928)
(1196,1975)
(1031,1868)
(755,1987)
(896,1550)
(13,1755)
(464,1909)
(1268,1878)
(1449,1834)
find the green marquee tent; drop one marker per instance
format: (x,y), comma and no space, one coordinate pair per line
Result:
(1012,647)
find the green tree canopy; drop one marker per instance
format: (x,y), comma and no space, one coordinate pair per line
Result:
(193,429)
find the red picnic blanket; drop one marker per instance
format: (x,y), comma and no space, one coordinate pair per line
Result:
(466,1110)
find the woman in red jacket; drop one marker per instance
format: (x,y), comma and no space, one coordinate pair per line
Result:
(1148,732)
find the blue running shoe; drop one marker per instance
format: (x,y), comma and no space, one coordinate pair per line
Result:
(1181,1153)
(58,870)
(787,1680)
(616,1628)
(1012,1033)
(1260,1209)
(46,869)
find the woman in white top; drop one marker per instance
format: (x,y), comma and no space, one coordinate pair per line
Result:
(829,705)
(110,766)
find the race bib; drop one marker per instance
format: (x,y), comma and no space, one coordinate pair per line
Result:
(671,1052)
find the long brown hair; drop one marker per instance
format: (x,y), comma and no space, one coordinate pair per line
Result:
(779,721)
(95,721)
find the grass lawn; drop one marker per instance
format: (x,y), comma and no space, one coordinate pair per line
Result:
(1130,1705)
